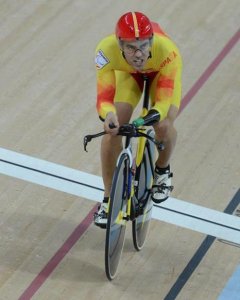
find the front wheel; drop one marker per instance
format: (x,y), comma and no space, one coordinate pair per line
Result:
(117,215)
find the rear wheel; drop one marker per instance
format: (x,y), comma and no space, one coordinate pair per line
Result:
(144,204)
(117,214)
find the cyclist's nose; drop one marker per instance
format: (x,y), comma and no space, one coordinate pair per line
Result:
(138,53)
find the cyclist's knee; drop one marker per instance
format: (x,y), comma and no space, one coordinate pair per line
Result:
(165,130)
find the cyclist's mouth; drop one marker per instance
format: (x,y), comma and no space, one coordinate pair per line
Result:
(138,62)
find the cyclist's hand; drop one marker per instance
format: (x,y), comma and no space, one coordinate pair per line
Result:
(111,124)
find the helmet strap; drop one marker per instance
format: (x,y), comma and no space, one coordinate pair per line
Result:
(123,54)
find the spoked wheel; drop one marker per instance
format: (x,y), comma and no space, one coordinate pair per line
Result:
(144,204)
(117,214)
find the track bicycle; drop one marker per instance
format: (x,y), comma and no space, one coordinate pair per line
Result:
(130,197)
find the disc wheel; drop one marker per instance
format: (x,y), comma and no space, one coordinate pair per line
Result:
(116,224)
(144,204)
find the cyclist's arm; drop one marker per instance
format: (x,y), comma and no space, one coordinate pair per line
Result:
(105,93)
(107,59)
(168,91)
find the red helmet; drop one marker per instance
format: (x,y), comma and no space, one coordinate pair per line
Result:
(134,25)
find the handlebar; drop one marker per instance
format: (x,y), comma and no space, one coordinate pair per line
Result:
(152,117)
(129,130)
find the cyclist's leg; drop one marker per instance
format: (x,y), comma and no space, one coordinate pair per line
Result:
(165,130)
(166,133)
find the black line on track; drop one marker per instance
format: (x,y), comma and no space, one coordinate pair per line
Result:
(199,254)
(197,218)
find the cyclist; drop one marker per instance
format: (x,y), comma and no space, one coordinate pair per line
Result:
(138,47)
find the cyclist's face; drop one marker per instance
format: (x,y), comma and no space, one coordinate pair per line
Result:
(136,52)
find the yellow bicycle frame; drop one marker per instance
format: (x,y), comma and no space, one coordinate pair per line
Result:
(139,156)
(141,143)
(121,218)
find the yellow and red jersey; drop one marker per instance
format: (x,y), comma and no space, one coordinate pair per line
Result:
(164,65)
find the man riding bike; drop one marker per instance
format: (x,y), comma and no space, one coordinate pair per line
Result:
(138,47)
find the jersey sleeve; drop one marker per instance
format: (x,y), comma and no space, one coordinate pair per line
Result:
(168,87)
(106,85)
(105,93)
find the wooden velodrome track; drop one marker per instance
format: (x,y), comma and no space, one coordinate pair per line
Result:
(49,249)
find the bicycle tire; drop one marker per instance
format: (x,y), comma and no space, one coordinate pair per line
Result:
(144,177)
(116,224)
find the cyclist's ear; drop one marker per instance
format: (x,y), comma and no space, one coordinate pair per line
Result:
(120,44)
(151,41)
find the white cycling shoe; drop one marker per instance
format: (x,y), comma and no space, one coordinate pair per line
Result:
(162,186)
(100,217)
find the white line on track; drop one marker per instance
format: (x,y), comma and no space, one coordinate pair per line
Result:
(51,175)
(61,178)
